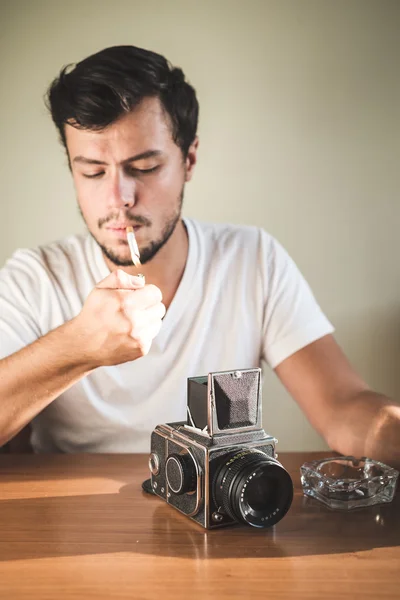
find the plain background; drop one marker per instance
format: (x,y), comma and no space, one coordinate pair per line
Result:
(299,133)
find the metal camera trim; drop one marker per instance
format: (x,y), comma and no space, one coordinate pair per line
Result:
(172,437)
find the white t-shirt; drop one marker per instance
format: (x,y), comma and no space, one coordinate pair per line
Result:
(241,300)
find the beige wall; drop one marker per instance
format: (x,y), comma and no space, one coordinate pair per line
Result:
(300,133)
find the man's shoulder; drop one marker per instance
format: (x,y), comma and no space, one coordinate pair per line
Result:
(232,236)
(51,257)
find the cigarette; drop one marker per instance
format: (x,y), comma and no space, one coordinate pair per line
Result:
(133,247)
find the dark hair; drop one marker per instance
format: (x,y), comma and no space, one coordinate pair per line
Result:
(104,86)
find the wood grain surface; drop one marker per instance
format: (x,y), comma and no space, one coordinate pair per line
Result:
(79,526)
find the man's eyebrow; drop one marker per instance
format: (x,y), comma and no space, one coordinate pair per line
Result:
(93,161)
(88,161)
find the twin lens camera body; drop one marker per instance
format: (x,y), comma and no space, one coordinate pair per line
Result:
(220,467)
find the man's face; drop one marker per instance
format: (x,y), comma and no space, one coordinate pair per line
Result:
(131,173)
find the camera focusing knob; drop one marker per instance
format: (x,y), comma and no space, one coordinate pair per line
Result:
(154,463)
(217,517)
(181,473)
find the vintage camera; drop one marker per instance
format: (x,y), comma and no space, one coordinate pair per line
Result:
(220,467)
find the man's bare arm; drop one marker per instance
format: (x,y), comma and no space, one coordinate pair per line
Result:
(117,324)
(33,377)
(351,417)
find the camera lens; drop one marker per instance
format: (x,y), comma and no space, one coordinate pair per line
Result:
(262,493)
(253,488)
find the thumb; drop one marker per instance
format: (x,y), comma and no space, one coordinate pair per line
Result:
(119,280)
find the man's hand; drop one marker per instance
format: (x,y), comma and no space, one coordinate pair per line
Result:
(119,320)
(351,417)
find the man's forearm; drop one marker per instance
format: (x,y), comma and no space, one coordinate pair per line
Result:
(33,377)
(368,425)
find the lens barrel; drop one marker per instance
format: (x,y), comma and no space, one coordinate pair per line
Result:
(253,488)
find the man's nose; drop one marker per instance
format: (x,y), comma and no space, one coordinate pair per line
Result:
(123,192)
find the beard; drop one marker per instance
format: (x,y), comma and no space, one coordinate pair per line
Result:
(149,251)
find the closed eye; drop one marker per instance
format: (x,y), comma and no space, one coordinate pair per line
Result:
(94,175)
(133,171)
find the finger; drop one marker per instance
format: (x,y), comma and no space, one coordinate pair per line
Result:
(141,319)
(154,329)
(143,298)
(119,279)
(146,337)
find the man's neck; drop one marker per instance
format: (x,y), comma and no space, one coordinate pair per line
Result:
(166,268)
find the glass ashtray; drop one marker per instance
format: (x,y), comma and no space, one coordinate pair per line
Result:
(346,482)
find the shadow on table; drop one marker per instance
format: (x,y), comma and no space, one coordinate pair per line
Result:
(112,523)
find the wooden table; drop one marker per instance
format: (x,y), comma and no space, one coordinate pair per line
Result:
(79,526)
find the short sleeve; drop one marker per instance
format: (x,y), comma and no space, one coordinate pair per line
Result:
(292,317)
(19,323)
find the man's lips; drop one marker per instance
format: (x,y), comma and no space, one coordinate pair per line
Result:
(123,227)
(119,231)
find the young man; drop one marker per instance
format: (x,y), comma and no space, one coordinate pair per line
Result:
(92,357)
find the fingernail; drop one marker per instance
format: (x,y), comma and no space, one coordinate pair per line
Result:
(138,278)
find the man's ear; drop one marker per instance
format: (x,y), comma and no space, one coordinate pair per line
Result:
(191,159)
